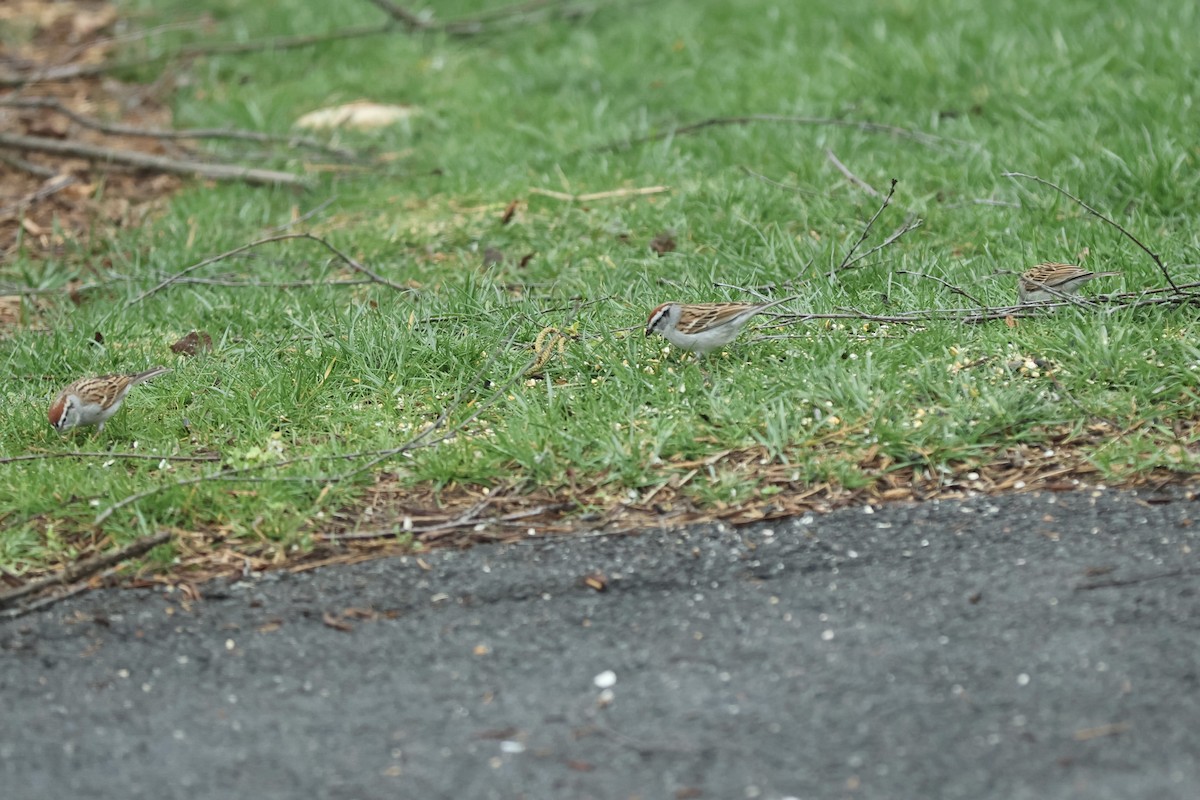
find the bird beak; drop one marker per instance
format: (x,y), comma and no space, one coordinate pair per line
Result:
(648,332)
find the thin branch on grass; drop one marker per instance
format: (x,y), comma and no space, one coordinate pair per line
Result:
(87,567)
(471,26)
(1161,266)
(846,261)
(773,182)
(469,518)
(106,456)
(752,119)
(72,71)
(956,289)
(911,224)
(234,284)
(751,290)
(584,198)
(112,129)
(397,17)
(130,158)
(305,217)
(410,20)
(850,176)
(509,519)
(283,237)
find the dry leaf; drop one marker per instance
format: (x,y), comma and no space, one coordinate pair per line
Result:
(596,580)
(663,243)
(361,115)
(339,625)
(195,342)
(507,216)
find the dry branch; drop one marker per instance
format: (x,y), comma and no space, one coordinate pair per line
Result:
(714,122)
(463,27)
(83,569)
(71,71)
(106,456)
(910,225)
(781,185)
(112,129)
(347,260)
(129,158)
(849,260)
(956,289)
(398,17)
(850,176)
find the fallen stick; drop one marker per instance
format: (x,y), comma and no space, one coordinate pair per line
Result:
(129,158)
(90,566)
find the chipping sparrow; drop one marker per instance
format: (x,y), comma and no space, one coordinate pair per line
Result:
(702,327)
(91,401)
(1051,281)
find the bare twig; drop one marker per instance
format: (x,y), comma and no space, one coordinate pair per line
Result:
(409,19)
(466,26)
(54,105)
(398,16)
(232,284)
(911,225)
(350,262)
(130,158)
(106,456)
(781,185)
(305,217)
(469,518)
(715,122)
(72,71)
(846,262)
(87,567)
(943,282)
(584,198)
(850,176)
(46,602)
(1161,266)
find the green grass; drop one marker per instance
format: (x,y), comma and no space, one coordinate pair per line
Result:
(1099,100)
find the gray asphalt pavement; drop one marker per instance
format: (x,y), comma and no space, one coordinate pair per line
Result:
(1036,646)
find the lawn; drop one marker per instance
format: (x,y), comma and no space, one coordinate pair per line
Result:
(499,371)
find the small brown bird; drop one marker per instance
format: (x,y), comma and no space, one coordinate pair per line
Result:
(1050,281)
(703,327)
(91,401)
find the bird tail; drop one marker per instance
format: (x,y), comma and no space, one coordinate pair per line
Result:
(153,372)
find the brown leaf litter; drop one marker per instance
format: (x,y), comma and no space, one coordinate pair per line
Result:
(55,206)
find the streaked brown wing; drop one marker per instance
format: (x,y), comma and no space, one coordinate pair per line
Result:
(702,316)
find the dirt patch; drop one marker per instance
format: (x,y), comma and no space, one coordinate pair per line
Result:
(59,206)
